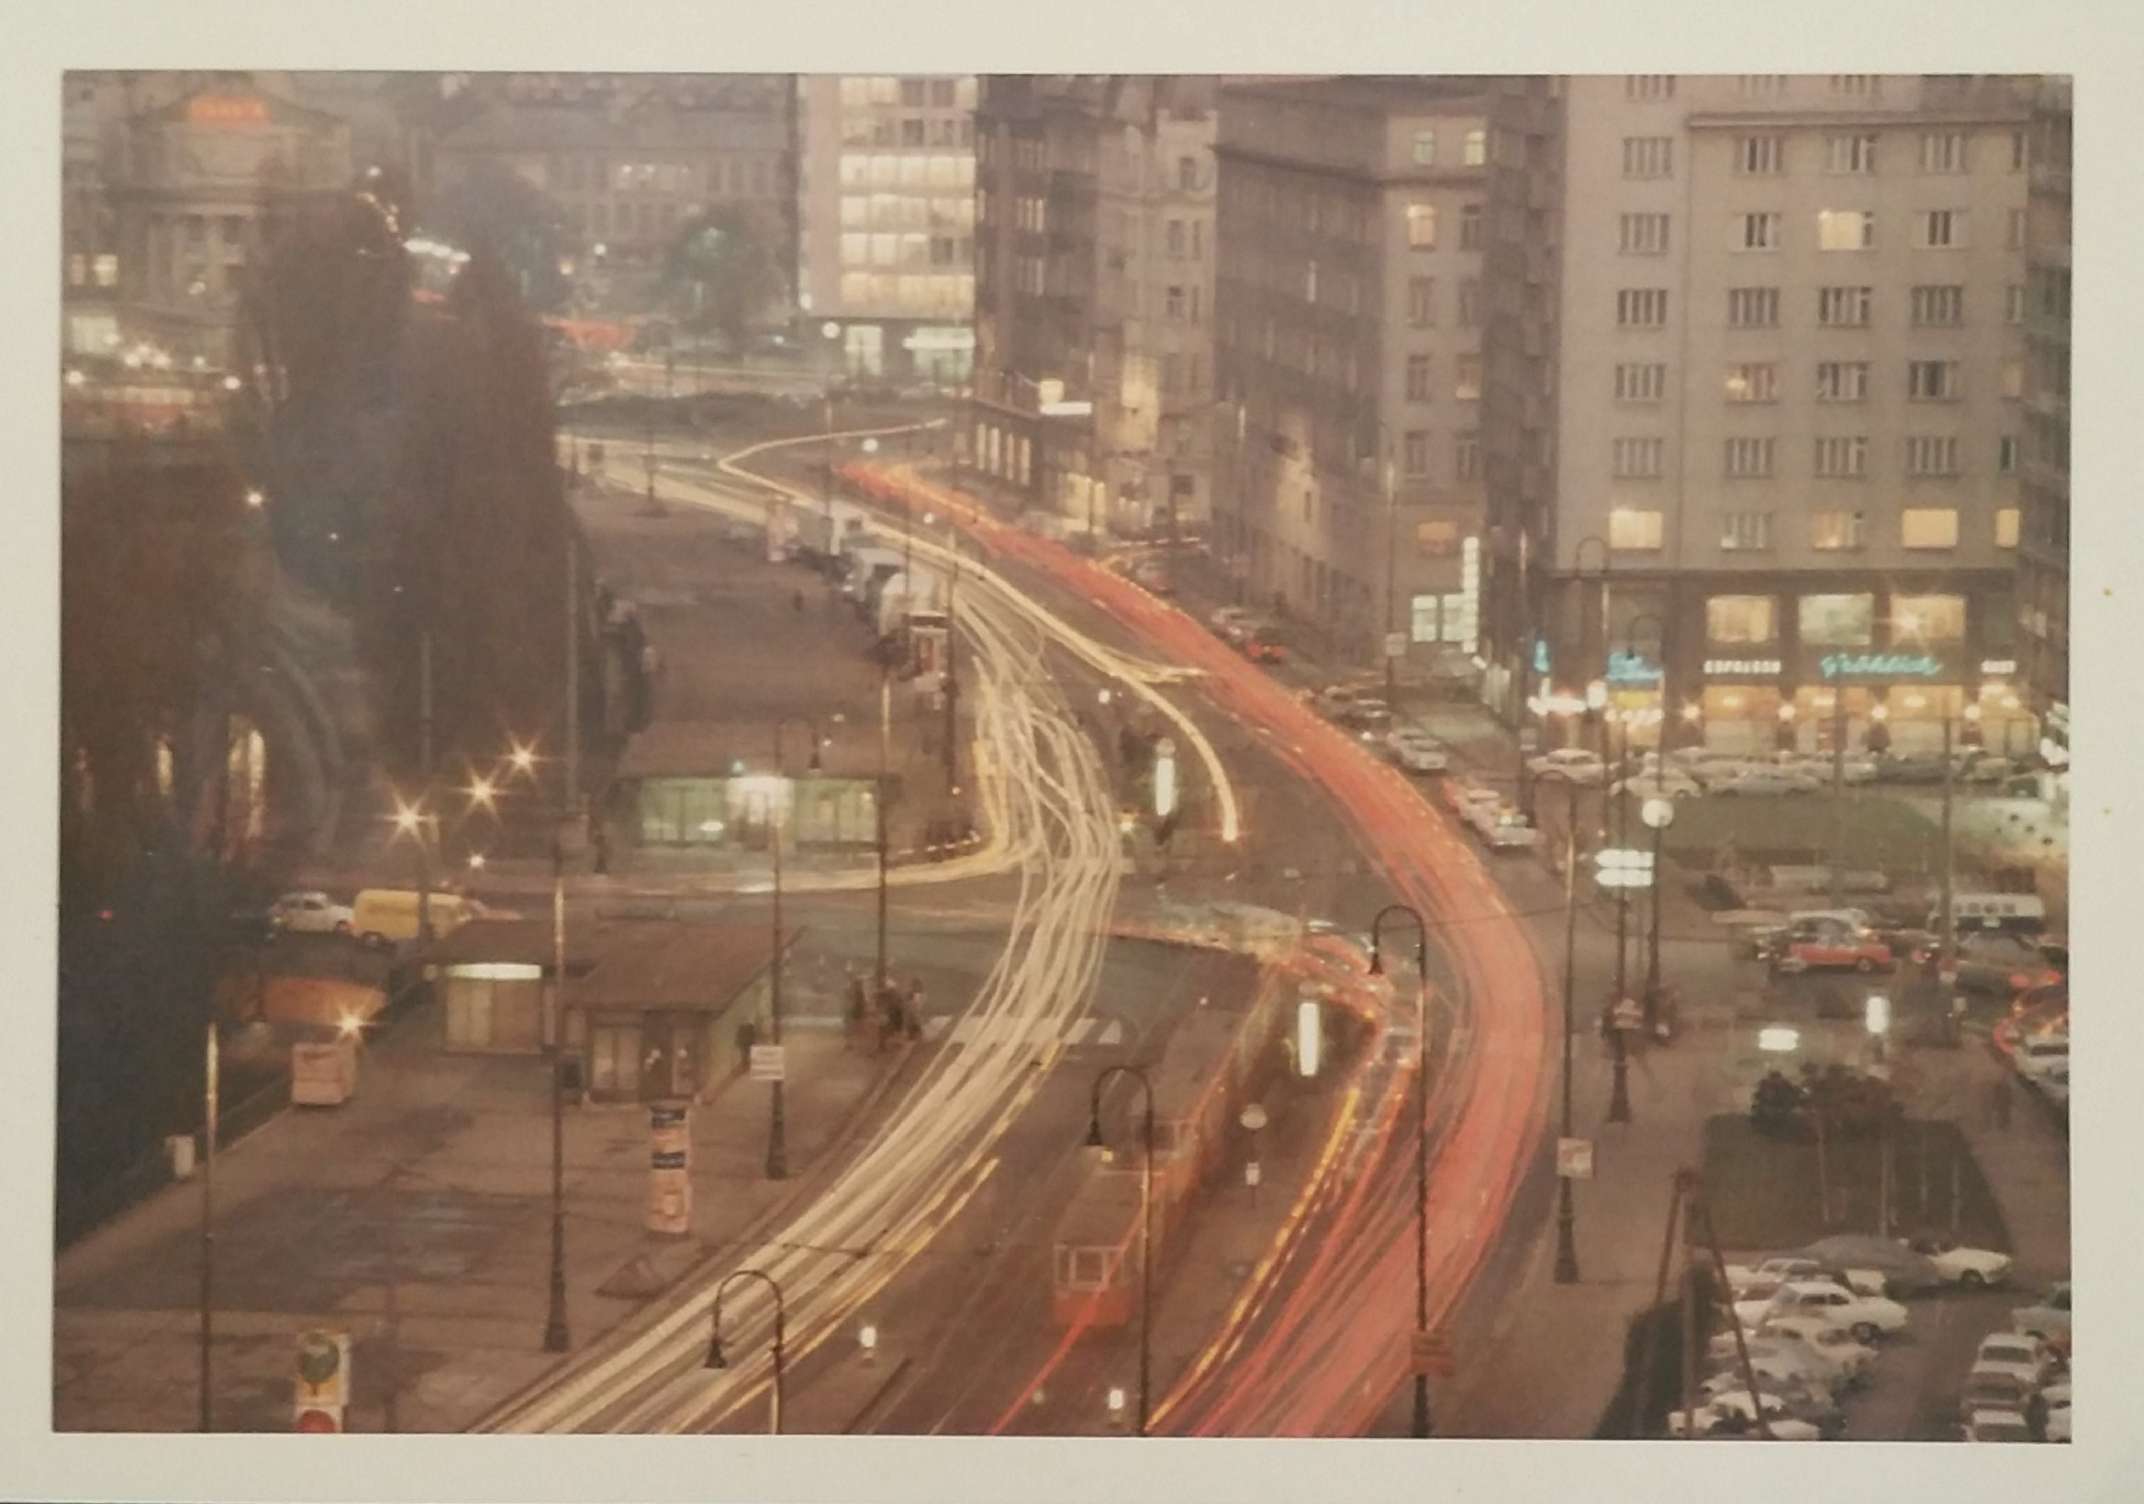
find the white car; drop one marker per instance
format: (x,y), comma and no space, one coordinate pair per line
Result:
(1866,1316)
(2024,1358)
(2038,1054)
(1734,1412)
(1848,1359)
(1765,783)
(1573,763)
(1997,1425)
(1785,1364)
(1960,1265)
(312,914)
(1225,617)
(2047,1318)
(1659,783)
(2057,1427)
(1417,751)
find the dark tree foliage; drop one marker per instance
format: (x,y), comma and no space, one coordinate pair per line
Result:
(722,271)
(497,211)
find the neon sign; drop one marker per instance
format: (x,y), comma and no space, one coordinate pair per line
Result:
(1879,665)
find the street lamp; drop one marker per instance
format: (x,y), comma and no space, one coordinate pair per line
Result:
(1566,1217)
(1658,812)
(556,1335)
(777,1145)
(1421,1132)
(715,1358)
(1146,1216)
(411,820)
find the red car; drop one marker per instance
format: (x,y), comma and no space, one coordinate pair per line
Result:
(1263,645)
(1815,947)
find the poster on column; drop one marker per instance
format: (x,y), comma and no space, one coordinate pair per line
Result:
(670,1168)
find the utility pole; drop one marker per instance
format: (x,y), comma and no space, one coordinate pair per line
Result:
(1838,793)
(1619,1037)
(573,671)
(424,753)
(556,1336)
(208,1218)
(1566,1217)
(885,738)
(1947,927)
(952,684)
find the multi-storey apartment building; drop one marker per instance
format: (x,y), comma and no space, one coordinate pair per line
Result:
(1349,315)
(1094,294)
(2043,563)
(886,222)
(1753,414)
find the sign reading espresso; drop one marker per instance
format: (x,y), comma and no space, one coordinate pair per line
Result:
(1742,668)
(1879,666)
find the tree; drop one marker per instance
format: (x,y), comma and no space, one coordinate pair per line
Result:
(1775,1111)
(723,272)
(493,209)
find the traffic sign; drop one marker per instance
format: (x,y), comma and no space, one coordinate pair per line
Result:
(1574,1158)
(767,1062)
(1628,1014)
(318,1420)
(323,1369)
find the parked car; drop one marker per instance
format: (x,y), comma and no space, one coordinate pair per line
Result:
(255,924)
(1501,827)
(1222,617)
(1801,1266)
(1370,718)
(1462,795)
(1659,783)
(1970,1267)
(1849,1359)
(311,913)
(1758,782)
(1263,644)
(1904,1271)
(1573,763)
(1736,1411)
(1417,751)
(1866,1316)
(1992,1389)
(2057,1425)
(1996,1425)
(2037,1055)
(1806,1398)
(1777,1357)
(2027,1358)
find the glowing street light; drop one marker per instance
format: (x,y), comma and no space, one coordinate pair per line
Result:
(256,498)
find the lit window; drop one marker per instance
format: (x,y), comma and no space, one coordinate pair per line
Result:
(1753,383)
(1422,226)
(1741,620)
(1476,152)
(1929,527)
(1927,618)
(1831,530)
(1845,229)
(1466,384)
(1425,148)
(1633,530)
(1838,621)
(2006,527)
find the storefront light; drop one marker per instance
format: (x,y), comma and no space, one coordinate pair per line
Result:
(1879,712)
(1916,702)
(1692,711)
(1731,701)
(1786,712)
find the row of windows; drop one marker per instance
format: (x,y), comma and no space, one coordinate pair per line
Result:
(1836,621)
(908,211)
(1422,227)
(1415,460)
(1836,230)
(912,130)
(1845,154)
(1466,378)
(1928,306)
(1653,87)
(724,176)
(1833,456)
(859,91)
(1836,381)
(1473,148)
(871,170)
(1422,302)
(907,250)
(1643,530)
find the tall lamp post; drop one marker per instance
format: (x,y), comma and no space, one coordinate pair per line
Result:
(1421,1134)
(1658,812)
(777,1141)
(715,1357)
(210,1103)
(1146,1216)
(1392,558)
(1566,1217)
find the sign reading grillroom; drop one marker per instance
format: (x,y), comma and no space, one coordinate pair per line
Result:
(1879,666)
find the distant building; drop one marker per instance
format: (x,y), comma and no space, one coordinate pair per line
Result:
(2043,560)
(886,224)
(1752,419)
(201,184)
(1349,309)
(1095,295)
(627,176)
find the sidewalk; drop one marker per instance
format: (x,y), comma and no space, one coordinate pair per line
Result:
(430,1192)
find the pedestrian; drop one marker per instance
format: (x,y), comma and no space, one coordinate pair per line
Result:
(914,1010)
(856,1004)
(798,601)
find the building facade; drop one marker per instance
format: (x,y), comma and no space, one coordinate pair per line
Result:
(1348,308)
(2043,562)
(1094,296)
(1752,427)
(190,190)
(885,194)
(628,173)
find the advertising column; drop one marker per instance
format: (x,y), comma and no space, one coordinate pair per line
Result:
(670,1168)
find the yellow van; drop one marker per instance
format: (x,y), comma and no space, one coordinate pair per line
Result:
(388,916)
